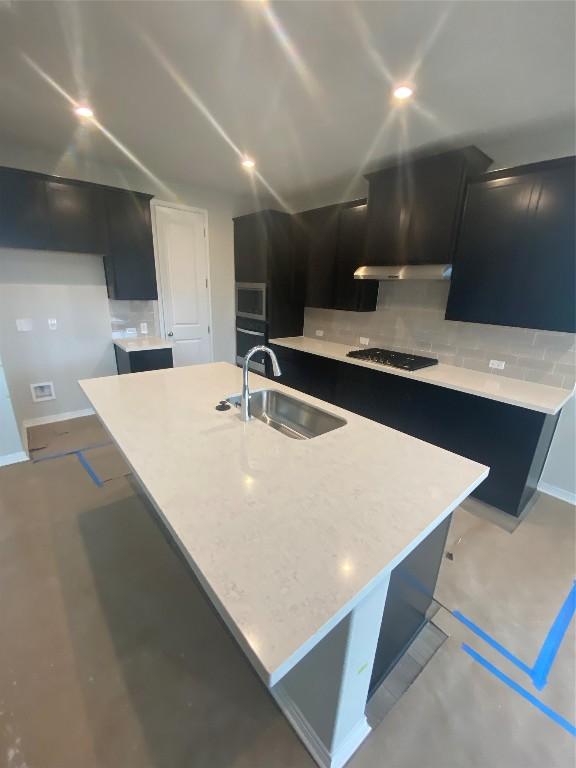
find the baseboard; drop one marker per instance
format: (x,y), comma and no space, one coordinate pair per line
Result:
(309,737)
(559,493)
(13,458)
(39,420)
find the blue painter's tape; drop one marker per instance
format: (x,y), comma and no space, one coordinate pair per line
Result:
(553,641)
(88,467)
(538,673)
(493,643)
(558,719)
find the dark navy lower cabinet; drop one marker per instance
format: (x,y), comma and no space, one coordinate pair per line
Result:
(512,441)
(142,360)
(308,373)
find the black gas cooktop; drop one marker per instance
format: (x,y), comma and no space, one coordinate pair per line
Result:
(395,359)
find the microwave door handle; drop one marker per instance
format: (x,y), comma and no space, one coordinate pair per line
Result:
(250,333)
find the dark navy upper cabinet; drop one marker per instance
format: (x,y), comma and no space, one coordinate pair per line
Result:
(316,237)
(129,261)
(515,262)
(414,207)
(351,294)
(23,210)
(251,246)
(48,213)
(76,216)
(332,242)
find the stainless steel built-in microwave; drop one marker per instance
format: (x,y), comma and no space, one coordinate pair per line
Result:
(251,300)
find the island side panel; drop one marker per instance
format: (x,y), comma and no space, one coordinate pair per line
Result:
(410,594)
(325,695)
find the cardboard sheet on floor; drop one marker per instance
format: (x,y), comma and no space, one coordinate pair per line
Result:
(80,435)
(41,436)
(107,462)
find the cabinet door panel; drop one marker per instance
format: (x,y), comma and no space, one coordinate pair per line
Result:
(319,229)
(130,268)
(386,227)
(307,373)
(549,297)
(515,262)
(77,218)
(351,294)
(23,210)
(251,248)
(436,186)
(150,360)
(492,245)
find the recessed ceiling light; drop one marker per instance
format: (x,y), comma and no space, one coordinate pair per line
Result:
(403,92)
(248,163)
(83,111)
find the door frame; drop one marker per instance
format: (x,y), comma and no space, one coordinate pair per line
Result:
(156,203)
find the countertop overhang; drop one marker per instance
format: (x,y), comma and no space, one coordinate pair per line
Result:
(286,536)
(524,394)
(142,343)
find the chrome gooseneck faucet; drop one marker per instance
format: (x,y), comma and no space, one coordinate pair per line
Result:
(245,401)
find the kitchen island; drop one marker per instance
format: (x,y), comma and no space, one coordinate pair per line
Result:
(292,540)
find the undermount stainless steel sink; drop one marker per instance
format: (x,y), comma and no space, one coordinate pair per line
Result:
(290,416)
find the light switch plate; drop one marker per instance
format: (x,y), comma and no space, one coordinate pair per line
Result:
(52,323)
(24,324)
(144,328)
(131,332)
(319,332)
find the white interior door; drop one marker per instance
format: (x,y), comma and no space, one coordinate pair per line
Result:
(182,258)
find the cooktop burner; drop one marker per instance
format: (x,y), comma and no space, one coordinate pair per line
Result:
(395,359)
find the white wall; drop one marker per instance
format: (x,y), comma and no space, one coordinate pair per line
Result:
(559,475)
(70,288)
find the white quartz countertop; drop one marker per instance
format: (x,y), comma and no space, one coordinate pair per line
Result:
(285,535)
(526,394)
(139,343)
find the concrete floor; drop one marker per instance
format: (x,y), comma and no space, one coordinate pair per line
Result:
(110,656)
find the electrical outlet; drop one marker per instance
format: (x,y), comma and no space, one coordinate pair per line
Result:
(319,332)
(499,364)
(52,323)
(364,340)
(144,328)
(131,332)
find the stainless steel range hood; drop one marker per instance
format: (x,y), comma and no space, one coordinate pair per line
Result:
(406,272)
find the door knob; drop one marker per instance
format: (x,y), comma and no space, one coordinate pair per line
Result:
(170,334)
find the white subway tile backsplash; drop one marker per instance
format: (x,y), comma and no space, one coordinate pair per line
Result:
(557,355)
(543,377)
(126,315)
(410,318)
(564,369)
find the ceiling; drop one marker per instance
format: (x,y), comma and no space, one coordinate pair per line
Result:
(184,88)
